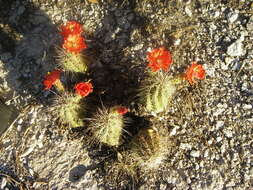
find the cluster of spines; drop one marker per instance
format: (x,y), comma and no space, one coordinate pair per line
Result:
(107,126)
(76,63)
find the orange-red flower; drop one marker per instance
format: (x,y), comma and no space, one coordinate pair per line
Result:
(195,71)
(122,110)
(74,43)
(71,27)
(83,88)
(159,58)
(51,78)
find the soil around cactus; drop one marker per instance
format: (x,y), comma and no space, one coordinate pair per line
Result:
(209,124)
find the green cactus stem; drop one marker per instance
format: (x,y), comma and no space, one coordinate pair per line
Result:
(158,90)
(73,62)
(107,126)
(72,110)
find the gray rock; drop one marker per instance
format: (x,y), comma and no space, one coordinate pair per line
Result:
(236,48)
(232,16)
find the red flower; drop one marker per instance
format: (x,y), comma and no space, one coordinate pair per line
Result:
(195,71)
(51,78)
(122,110)
(159,58)
(71,27)
(74,43)
(83,88)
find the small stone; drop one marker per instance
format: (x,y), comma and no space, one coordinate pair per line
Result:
(188,11)
(224,66)
(19,128)
(219,124)
(219,139)
(247,106)
(210,141)
(177,42)
(236,65)
(236,48)
(244,86)
(138,47)
(195,153)
(232,17)
(228,133)
(185,146)
(174,131)
(206,153)
(228,60)
(21,10)
(230,184)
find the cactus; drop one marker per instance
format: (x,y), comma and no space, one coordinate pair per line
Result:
(71,111)
(121,169)
(74,62)
(145,153)
(158,90)
(149,148)
(107,126)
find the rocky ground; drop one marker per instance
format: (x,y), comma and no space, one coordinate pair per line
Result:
(210,124)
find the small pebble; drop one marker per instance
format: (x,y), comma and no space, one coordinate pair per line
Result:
(195,153)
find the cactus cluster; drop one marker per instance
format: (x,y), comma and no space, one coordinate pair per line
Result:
(147,147)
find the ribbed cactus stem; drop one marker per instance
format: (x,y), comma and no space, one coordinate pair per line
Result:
(107,126)
(74,62)
(158,90)
(71,111)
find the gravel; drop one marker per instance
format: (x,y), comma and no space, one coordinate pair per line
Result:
(210,124)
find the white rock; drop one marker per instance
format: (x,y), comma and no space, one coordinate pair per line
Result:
(188,11)
(195,153)
(247,106)
(206,154)
(174,131)
(219,124)
(228,133)
(177,42)
(232,17)
(236,48)
(185,146)
(219,139)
